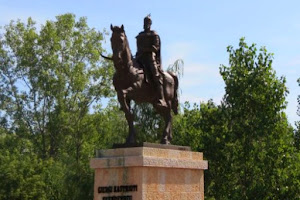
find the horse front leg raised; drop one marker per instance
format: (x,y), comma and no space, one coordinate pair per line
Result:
(125,106)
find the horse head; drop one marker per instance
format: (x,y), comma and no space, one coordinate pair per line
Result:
(119,44)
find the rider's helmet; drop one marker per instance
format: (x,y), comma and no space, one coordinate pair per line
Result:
(147,22)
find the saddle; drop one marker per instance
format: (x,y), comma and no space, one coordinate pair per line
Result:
(147,73)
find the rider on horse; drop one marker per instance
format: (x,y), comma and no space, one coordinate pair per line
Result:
(148,55)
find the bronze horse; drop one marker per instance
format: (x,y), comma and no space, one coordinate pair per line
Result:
(130,84)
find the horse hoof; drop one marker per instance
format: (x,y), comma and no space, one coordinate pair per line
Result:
(165,141)
(161,104)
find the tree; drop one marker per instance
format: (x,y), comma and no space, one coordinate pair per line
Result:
(26,176)
(187,127)
(50,77)
(247,139)
(259,158)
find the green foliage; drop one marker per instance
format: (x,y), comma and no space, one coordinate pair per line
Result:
(22,172)
(247,139)
(19,170)
(149,125)
(258,136)
(111,125)
(187,128)
(50,77)
(297,131)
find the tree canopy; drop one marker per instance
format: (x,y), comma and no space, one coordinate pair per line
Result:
(51,77)
(247,139)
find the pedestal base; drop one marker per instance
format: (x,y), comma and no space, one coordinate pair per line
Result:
(149,173)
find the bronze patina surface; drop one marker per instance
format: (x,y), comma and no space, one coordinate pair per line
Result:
(142,79)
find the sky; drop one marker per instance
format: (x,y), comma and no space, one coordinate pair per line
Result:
(196,31)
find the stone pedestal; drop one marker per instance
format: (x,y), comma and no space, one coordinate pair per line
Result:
(150,172)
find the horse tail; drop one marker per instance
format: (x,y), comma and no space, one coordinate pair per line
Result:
(175,98)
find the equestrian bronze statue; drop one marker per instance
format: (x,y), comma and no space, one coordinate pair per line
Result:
(142,79)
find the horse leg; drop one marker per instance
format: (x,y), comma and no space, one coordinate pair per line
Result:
(167,134)
(131,139)
(125,106)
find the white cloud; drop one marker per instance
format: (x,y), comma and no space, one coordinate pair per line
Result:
(200,68)
(200,74)
(201,81)
(179,50)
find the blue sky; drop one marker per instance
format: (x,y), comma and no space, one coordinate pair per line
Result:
(196,31)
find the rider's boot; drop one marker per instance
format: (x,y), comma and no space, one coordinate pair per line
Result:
(160,90)
(161,99)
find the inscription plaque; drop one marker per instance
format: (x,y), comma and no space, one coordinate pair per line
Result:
(118,198)
(116,189)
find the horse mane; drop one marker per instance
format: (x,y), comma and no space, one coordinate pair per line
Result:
(133,60)
(127,46)
(120,30)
